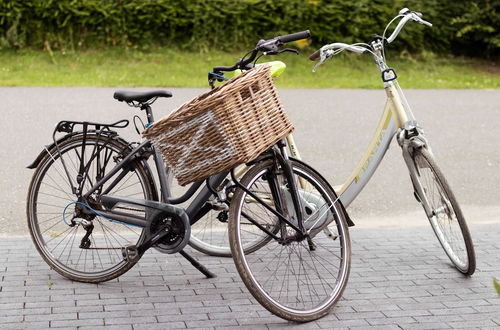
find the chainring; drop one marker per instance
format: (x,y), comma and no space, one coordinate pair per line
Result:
(177,239)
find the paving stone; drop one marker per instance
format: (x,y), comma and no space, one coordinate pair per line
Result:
(108,327)
(159,326)
(128,307)
(453,311)
(182,317)
(391,320)
(426,326)
(208,323)
(129,320)
(334,324)
(439,318)
(472,324)
(240,315)
(76,323)
(11,319)
(379,327)
(400,313)
(104,315)
(50,317)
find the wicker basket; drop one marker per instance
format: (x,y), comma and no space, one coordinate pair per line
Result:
(218,130)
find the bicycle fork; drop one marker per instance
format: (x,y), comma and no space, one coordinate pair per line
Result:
(283,162)
(409,139)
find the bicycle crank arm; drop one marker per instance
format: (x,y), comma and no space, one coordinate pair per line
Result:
(154,239)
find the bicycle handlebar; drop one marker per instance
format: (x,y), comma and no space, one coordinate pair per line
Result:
(406,15)
(337,45)
(294,36)
(269,47)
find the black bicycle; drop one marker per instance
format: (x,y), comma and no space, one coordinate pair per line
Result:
(94,209)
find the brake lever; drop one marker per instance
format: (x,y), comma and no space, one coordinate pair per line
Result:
(417,17)
(214,76)
(276,52)
(290,50)
(211,83)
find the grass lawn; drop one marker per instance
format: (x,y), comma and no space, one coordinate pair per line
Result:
(164,67)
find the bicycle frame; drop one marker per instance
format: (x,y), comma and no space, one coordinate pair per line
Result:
(144,147)
(141,152)
(394,117)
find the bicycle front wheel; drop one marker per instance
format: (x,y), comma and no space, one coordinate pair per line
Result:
(295,278)
(444,213)
(85,250)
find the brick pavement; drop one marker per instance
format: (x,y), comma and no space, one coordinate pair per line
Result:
(400,279)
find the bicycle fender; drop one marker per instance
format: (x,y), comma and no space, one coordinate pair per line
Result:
(44,151)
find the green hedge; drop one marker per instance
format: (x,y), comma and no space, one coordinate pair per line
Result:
(460,27)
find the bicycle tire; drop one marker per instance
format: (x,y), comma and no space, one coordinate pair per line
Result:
(454,236)
(271,285)
(50,194)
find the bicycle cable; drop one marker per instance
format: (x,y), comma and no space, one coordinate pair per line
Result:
(258,58)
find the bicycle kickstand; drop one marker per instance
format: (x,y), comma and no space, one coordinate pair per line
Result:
(197,265)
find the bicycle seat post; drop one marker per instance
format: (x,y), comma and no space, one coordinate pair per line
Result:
(149,112)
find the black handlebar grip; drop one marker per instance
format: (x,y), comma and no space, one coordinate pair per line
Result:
(315,56)
(224,68)
(294,36)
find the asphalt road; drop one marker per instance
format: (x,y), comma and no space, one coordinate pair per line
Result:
(332,129)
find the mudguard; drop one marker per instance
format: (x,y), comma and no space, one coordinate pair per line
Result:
(52,147)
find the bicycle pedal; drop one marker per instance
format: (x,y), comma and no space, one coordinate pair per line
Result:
(130,253)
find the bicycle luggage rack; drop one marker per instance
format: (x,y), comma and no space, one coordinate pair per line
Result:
(68,127)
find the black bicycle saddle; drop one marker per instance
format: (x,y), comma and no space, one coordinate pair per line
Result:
(141,97)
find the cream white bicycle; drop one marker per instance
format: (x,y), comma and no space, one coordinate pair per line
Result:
(430,187)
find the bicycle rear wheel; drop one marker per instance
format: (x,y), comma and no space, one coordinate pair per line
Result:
(445,215)
(51,203)
(294,278)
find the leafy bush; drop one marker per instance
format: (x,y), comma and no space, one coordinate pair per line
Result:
(460,27)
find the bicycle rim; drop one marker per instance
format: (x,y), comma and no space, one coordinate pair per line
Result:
(51,204)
